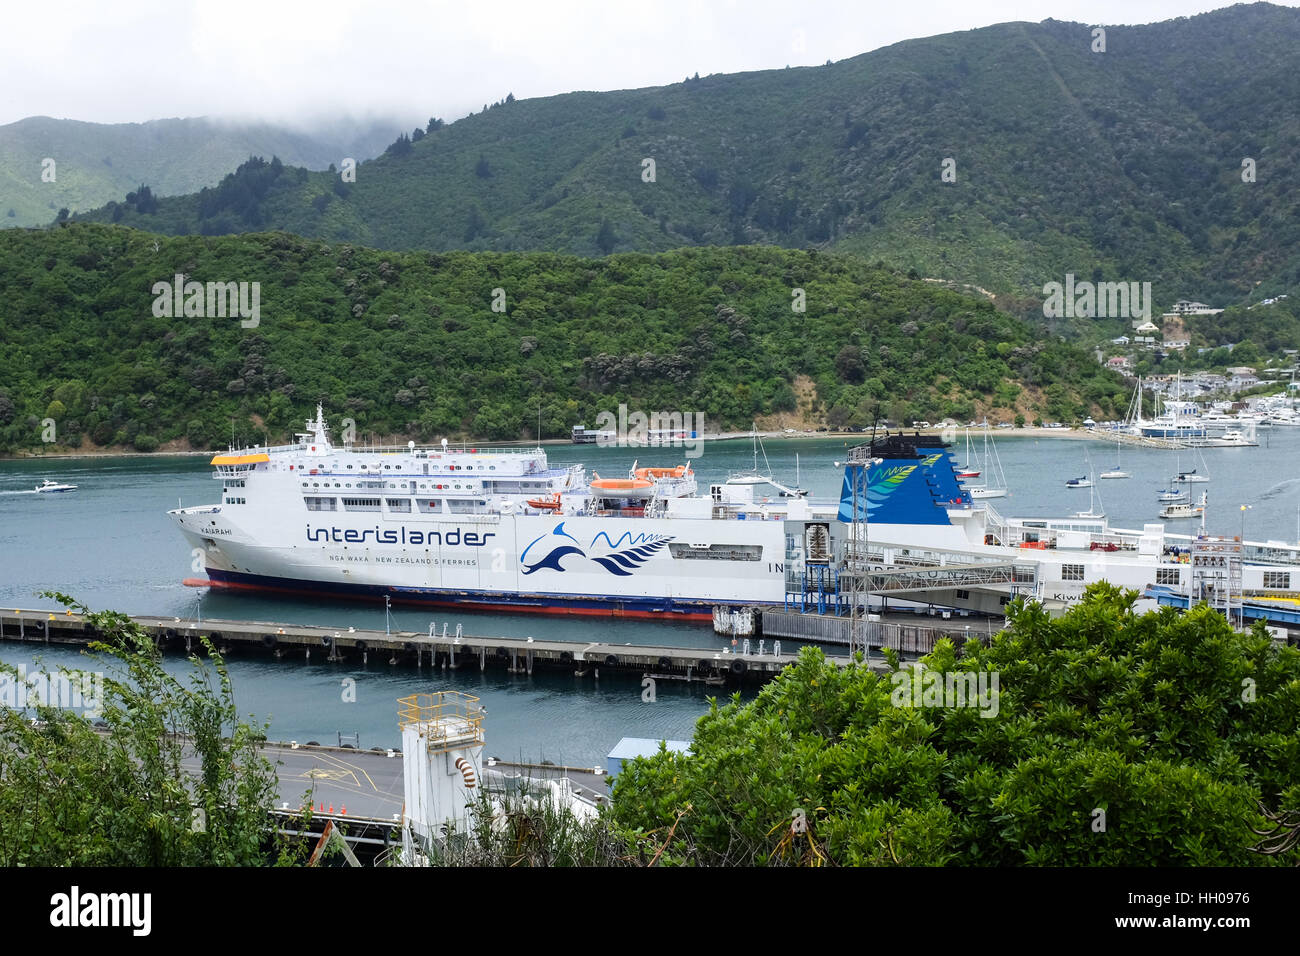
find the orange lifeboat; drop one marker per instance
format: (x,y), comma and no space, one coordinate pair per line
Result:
(549,503)
(649,474)
(623,487)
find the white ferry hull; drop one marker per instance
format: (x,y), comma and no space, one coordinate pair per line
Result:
(553,563)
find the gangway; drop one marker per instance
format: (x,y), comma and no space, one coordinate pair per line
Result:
(916,579)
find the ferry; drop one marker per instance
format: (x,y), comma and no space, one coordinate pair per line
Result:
(501,529)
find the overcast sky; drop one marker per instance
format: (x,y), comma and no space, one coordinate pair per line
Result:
(284,60)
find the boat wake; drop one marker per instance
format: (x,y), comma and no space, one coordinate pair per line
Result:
(1277,489)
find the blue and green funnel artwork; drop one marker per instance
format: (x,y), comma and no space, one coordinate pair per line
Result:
(903,490)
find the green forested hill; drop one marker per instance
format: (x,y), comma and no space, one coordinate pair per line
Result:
(408,342)
(1116,165)
(96,163)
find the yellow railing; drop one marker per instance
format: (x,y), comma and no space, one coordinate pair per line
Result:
(447,715)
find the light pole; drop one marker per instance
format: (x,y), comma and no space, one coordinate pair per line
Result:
(387,604)
(1244,509)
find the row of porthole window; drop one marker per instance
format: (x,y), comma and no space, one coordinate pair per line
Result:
(453,467)
(236,501)
(348,484)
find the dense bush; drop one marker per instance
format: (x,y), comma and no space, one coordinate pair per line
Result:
(410,344)
(1117,739)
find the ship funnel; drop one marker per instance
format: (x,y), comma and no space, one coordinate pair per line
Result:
(901,479)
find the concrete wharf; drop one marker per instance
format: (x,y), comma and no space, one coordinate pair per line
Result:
(763,661)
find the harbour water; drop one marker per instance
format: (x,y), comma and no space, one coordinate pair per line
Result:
(109,545)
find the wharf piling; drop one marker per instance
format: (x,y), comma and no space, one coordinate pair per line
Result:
(342,644)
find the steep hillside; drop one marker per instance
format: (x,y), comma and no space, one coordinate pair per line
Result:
(1116,165)
(97,163)
(409,343)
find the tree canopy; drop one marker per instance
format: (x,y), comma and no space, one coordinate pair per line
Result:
(1118,739)
(173,778)
(423,345)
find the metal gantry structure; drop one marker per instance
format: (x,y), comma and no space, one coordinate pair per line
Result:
(857,559)
(1216,575)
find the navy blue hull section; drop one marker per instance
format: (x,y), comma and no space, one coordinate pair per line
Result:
(595,604)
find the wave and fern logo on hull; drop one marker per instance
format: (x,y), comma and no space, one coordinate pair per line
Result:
(619,557)
(553,557)
(885,483)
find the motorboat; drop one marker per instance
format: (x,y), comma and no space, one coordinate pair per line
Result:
(1183,509)
(50,487)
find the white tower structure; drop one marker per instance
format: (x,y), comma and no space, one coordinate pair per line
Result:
(442,748)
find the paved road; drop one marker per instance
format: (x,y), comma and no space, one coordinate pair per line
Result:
(369,784)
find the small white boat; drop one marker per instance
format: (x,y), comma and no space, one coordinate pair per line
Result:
(995,486)
(1092,511)
(1187,477)
(48,487)
(1171,494)
(1115,472)
(1182,509)
(1084,482)
(968,470)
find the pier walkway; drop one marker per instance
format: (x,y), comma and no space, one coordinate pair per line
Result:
(449,651)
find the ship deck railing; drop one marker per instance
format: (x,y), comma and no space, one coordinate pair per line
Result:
(424,450)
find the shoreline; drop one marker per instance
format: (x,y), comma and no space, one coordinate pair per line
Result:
(1074,434)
